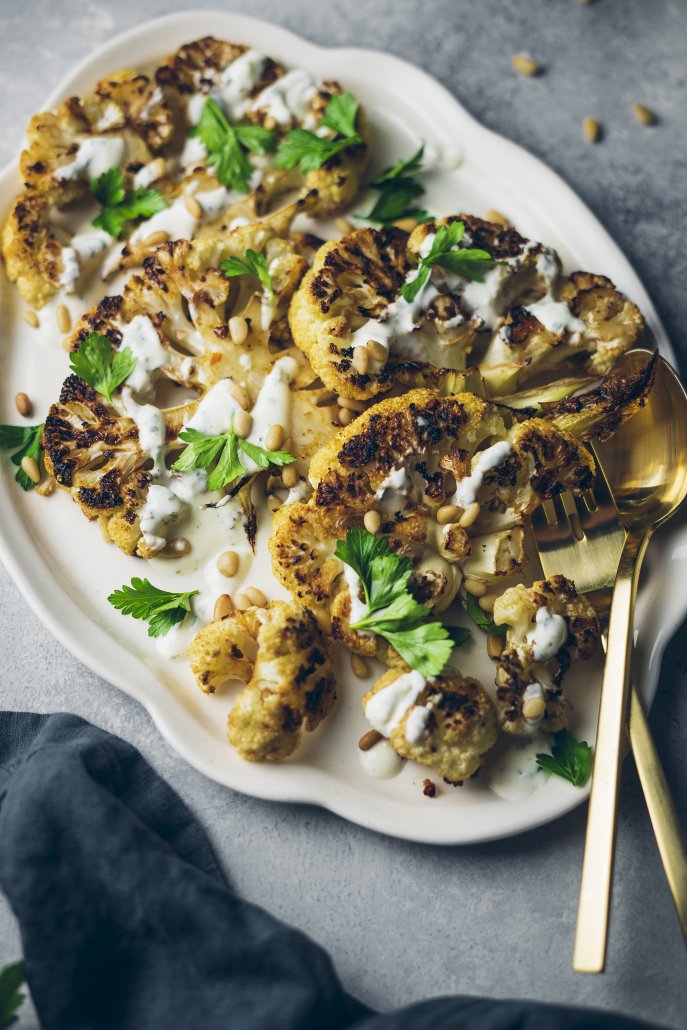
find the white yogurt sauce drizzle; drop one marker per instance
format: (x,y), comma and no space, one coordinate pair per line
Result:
(513,774)
(82,247)
(381,761)
(556,316)
(533,690)
(548,636)
(95,155)
(141,337)
(287,99)
(386,709)
(483,462)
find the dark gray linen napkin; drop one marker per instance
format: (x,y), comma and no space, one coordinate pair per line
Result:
(127,921)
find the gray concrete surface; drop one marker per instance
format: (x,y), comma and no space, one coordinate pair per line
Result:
(495,919)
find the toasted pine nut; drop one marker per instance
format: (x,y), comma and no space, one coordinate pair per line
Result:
(343,225)
(406,224)
(591,129)
(289,475)
(46,488)
(274,437)
(372,521)
(156,238)
(533,708)
(369,739)
(179,546)
(345,416)
(361,359)
(32,319)
(469,515)
(378,351)
(644,115)
(30,467)
(273,483)
(228,563)
(492,215)
(359,667)
(487,602)
(447,513)
(243,423)
(241,601)
(192,206)
(102,526)
(256,597)
(475,587)
(238,329)
(223,606)
(240,395)
(64,319)
(352,405)
(160,167)
(524,65)
(23,404)
(494,646)
(270,123)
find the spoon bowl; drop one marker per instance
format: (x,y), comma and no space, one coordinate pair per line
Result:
(646,460)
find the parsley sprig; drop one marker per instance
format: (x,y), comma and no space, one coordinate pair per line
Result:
(570,758)
(11,998)
(203,450)
(398,189)
(252,264)
(392,611)
(304,148)
(227,145)
(161,609)
(101,367)
(120,207)
(27,440)
(467,262)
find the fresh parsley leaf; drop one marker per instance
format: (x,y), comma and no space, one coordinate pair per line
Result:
(467,262)
(11,998)
(392,611)
(120,207)
(203,450)
(226,145)
(159,608)
(481,619)
(309,151)
(340,114)
(397,192)
(459,635)
(27,440)
(570,758)
(98,366)
(253,264)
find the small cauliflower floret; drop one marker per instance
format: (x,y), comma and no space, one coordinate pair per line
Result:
(253,89)
(549,628)
(285,662)
(584,320)
(447,723)
(408,458)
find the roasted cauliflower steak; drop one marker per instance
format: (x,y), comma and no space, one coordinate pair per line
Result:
(549,627)
(447,723)
(284,661)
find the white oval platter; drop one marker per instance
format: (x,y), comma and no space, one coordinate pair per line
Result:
(65,572)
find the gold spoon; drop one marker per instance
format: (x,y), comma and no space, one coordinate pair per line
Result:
(647,468)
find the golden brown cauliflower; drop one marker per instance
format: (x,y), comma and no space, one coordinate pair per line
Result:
(584,320)
(549,628)
(175,315)
(408,458)
(363,339)
(285,662)
(275,98)
(447,723)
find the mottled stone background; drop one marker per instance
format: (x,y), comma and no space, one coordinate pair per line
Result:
(403,921)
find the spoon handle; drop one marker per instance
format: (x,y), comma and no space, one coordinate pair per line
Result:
(597,868)
(661,808)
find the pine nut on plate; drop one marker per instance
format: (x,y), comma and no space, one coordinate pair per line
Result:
(64,319)
(223,606)
(29,465)
(289,475)
(228,563)
(274,437)
(591,130)
(359,667)
(238,329)
(255,596)
(360,360)
(240,395)
(644,115)
(372,521)
(243,423)
(156,238)
(346,416)
(377,350)
(351,404)
(23,404)
(31,318)
(447,513)
(524,65)
(192,206)
(475,587)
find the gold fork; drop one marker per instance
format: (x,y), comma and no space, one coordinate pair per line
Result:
(582,539)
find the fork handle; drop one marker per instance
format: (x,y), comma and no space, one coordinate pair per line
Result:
(661,808)
(597,867)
